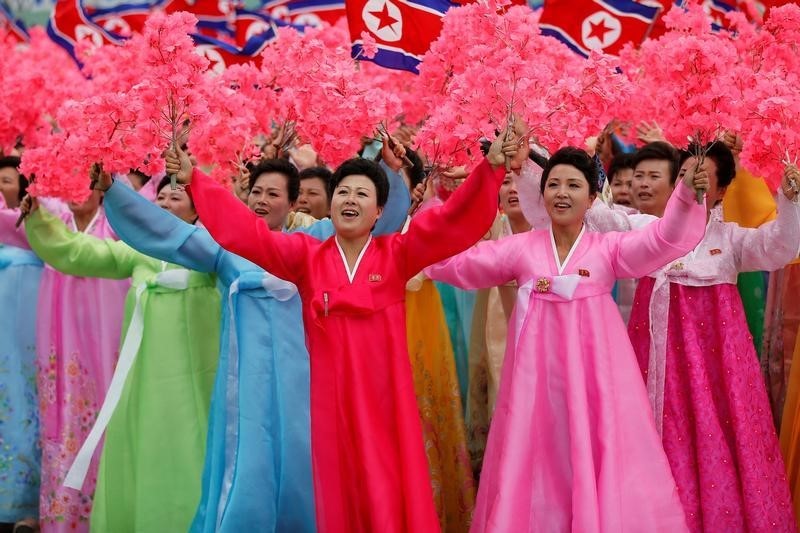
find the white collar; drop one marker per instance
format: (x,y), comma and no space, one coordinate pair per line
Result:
(575,244)
(352,275)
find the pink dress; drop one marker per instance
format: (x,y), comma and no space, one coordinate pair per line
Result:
(77,344)
(572,444)
(690,334)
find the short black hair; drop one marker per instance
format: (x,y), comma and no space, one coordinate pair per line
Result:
(145,178)
(322,173)
(365,167)
(14,161)
(718,152)
(575,157)
(621,161)
(659,151)
(416,173)
(281,166)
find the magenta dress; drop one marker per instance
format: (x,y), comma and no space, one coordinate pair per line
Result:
(77,344)
(573,445)
(690,334)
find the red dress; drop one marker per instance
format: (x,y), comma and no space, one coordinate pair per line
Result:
(370,468)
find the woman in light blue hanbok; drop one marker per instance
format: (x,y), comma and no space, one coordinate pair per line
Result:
(20,271)
(257,474)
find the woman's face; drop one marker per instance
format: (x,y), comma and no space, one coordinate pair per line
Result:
(88,207)
(566,195)
(714,194)
(9,186)
(651,186)
(177,202)
(621,186)
(313,198)
(269,199)
(354,206)
(509,197)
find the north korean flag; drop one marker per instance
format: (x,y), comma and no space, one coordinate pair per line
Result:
(124,19)
(12,25)
(403,29)
(315,12)
(69,24)
(602,25)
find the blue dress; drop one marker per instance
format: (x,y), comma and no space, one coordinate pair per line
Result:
(20,454)
(257,474)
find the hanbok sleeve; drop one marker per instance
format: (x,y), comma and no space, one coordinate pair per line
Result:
(772,245)
(530,196)
(397,204)
(487,264)
(239,230)
(9,233)
(75,253)
(444,231)
(158,233)
(640,252)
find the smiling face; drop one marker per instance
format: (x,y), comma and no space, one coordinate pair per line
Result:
(177,202)
(651,186)
(354,206)
(9,186)
(269,199)
(313,198)
(567,196)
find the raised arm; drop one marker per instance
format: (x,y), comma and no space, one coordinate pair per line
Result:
(397,204)
(487,264)
(158,233)
(239,230)
(640,252)
(530,196)
(444,231)
(772,245)
(77,254)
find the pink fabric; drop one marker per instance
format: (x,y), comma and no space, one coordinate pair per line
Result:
(717,427)
(77,336)
(9,234)
(573,445)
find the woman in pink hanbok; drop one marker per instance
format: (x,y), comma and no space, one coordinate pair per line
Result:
(77,340)
(573,445)
(690,333)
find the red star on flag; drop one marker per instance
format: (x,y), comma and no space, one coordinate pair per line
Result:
(386,20)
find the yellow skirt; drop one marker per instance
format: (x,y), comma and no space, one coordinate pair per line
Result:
(439,400)
(790,421)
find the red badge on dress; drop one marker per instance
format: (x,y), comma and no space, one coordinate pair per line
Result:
(375,277)
(583,272)
(715,251)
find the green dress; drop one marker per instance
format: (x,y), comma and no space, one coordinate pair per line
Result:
(152,460)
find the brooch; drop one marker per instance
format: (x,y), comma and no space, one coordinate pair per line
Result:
(542,285)
(677,266)
(375,277)
(715,251)
(583,272)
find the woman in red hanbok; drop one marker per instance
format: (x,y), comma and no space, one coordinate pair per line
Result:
(370,469)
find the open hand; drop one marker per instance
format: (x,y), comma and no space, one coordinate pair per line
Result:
(649,132)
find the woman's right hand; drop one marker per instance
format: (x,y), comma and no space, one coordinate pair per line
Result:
(179,164)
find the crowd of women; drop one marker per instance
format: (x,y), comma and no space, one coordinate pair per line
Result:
(329,349)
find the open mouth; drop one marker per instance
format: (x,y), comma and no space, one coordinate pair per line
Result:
(562,206)
(645,196)
(513,200)
(349,214)
(261,212)
(305,210)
